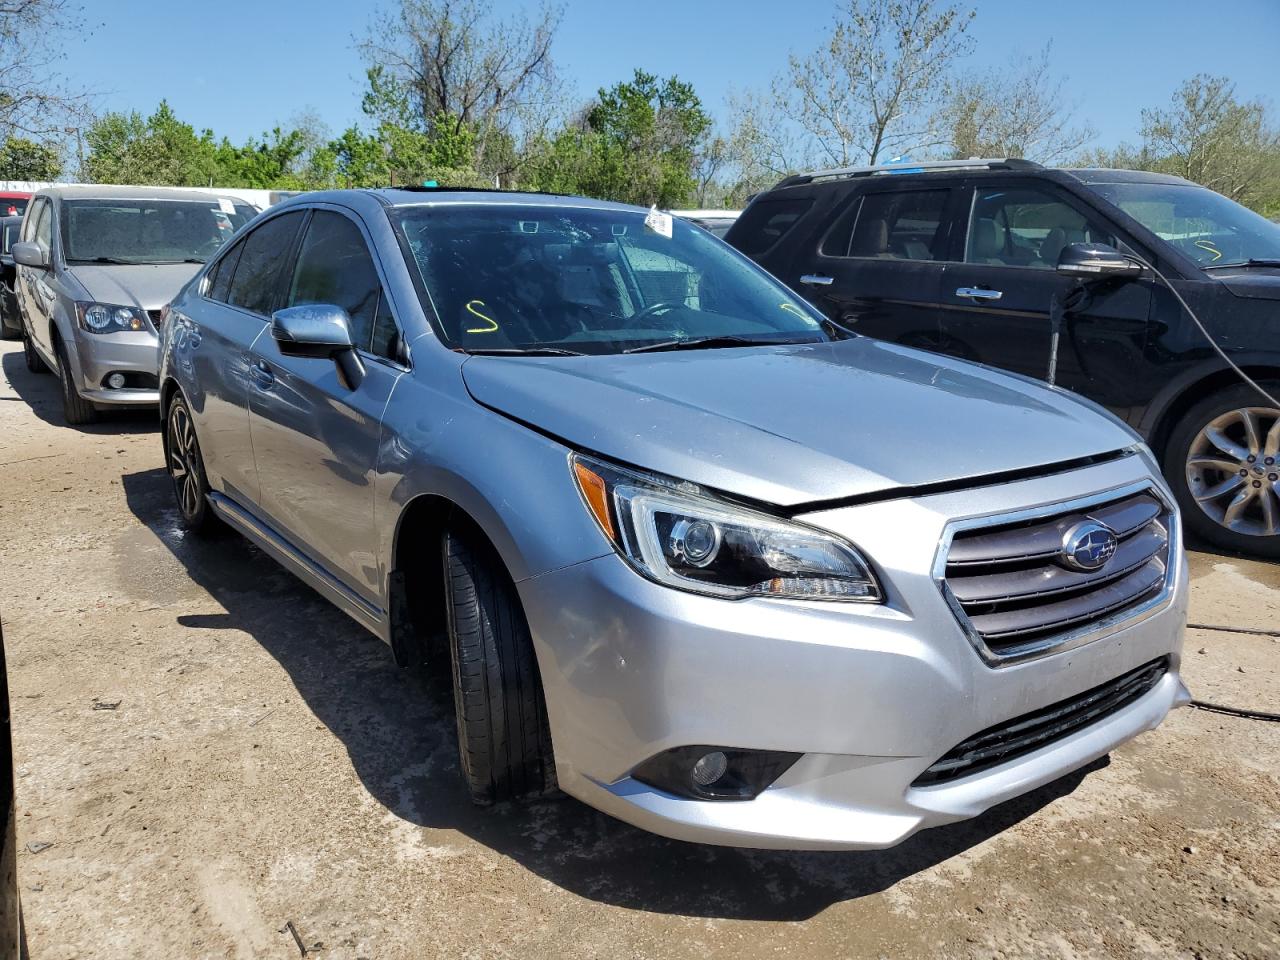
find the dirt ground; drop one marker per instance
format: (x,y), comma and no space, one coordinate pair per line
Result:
(268,765)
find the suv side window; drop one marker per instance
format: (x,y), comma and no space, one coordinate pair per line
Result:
(263,254)
(43,234)
(334,266)
(898,225)
(766,221)
(29,222)
(1025,227)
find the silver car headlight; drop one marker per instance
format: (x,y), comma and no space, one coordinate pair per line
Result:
(108,317)
(683,537)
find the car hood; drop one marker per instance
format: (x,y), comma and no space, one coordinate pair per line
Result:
(797,424)
(146,285)
(1257,283)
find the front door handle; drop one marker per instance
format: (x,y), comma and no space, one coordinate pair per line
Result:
(816,280)
(262,374)
(978,293)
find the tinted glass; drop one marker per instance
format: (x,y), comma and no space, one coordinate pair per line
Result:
(262,259)
(145,231)
(1025,227)
(1201,223)
(895,226)
(588,280)
(223,271)
(765,222)
(334,267)
(10,235)
(13,206)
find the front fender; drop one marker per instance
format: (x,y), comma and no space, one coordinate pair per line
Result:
(1185,379)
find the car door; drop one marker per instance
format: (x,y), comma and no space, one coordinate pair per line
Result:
(878,268)
(995,302)
(36,296)
(315,438)
(213,345)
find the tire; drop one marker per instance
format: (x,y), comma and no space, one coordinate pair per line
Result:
(1207,452)
(185,466)
(34,363)
(504,743)
(75,408)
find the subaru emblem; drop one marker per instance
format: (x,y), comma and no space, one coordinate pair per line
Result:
(1088,546)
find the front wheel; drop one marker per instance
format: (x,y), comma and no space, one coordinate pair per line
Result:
(503,739)
(75,408)
(34,363)
(186,468)
(1223,462)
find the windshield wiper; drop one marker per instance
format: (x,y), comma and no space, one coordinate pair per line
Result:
(1251,262)
(525,352)
(698,343)
(111,260)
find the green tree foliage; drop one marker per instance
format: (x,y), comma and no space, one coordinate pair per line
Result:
(22,159)
(159,149)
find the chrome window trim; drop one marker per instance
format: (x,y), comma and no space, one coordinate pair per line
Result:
(1077,636)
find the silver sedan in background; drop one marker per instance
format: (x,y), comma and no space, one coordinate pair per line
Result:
(703,559)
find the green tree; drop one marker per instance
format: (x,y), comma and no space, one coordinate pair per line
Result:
(159,149)
(22,159)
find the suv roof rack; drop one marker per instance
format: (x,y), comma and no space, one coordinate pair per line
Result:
(911,166)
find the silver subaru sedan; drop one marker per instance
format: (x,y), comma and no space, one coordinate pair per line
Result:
(701,559)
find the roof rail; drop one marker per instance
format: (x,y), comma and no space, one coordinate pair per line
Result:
(910,166)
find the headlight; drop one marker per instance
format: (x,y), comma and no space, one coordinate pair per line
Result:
(109,318)
(681,536)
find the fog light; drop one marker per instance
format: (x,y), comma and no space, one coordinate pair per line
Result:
(115,381)
(714,773)
(710,768)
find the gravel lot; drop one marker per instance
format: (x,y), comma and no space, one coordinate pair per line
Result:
(268,765)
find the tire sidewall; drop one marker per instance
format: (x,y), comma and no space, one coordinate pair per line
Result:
(201,518)
(1175,468)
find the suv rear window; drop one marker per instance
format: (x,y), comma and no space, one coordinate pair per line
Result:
(767,221)
(904,225)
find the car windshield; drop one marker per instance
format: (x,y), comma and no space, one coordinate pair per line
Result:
(1203,224)
(522,278)
(147,231)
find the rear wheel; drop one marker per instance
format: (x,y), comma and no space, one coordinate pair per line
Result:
(75,408)
(1223,462)
(34,363)
(186,468)
(503,738)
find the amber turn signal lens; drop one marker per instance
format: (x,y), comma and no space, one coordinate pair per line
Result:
(596,493)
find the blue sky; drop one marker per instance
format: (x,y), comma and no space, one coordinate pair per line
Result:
(242,66)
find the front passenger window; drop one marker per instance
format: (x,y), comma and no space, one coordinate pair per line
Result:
(262,259)
(1025,227)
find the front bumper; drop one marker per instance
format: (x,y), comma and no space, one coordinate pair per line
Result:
(870,695)
(95,356)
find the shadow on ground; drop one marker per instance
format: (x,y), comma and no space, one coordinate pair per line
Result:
(41,392)
(397,727)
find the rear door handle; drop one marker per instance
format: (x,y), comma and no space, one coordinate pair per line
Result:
(978,293)
(816,280)
(262,374)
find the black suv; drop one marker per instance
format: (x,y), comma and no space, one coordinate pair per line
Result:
(965,258)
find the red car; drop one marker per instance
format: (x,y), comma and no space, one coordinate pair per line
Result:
(13,203)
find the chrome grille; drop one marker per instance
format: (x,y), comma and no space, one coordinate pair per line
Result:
(1031,731)
(1015,590)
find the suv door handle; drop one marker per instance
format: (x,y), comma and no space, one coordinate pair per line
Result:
(262,374)
(816,280)
(978,293)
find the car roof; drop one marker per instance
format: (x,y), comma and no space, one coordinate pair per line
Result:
(1103,175)
(444,196)
(89,191)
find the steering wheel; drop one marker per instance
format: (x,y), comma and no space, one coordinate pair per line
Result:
(654,309)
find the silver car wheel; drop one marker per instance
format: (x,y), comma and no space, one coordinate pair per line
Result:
(182,454)
(1232,470)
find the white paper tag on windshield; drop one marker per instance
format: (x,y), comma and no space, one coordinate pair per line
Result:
(658,222)
(226,206)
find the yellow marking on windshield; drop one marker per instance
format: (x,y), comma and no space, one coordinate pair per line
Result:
(471,309)
(792,308)
(1208,245)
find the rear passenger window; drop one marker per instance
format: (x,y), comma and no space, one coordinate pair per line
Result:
(892,226)
(262,258)
(334,267)
(1025,227)
(766,221)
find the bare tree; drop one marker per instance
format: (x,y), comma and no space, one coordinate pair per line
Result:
(1018,112)
(461,63)
(760,148)
(864,95)
(34,100)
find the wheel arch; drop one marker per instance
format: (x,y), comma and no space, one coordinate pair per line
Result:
(1179,396)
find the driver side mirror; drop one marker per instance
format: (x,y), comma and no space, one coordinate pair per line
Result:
(1095,261)
(30,255)
(321,331)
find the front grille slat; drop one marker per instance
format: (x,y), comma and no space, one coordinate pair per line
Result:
(1030,732)
(1015,590)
